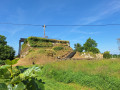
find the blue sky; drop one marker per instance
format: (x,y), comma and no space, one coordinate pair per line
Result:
(62,12)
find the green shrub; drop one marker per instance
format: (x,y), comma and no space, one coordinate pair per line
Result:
(58,48)
(106,55)
(20,78)
(2,62)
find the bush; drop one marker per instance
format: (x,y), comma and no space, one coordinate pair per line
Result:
(20,78)
(58,48)
(2,62)
(106,55)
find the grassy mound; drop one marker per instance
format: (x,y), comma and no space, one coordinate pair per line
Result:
(36,50)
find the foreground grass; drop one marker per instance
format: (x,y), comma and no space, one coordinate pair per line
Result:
(98,74)
(51,84)
(80,75)
(110,67)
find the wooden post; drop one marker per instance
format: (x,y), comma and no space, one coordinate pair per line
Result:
(44,30)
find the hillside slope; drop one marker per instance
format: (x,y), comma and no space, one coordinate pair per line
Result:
(37,50)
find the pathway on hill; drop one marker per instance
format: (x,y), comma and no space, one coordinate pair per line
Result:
(71,55)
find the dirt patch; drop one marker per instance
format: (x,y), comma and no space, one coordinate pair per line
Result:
(42,56)
(35,60)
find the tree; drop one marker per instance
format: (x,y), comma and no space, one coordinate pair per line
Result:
(106,55)
(6,52)
(78,47)
(2,40)
(94,50)
(90,46)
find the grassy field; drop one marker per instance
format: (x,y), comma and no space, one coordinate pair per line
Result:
(84,74)
(54,85)
(80,75)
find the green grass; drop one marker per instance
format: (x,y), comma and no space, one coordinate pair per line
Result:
(98,74)
(58,48)
(43,42)
(80,75)
(51,84)
(104,67)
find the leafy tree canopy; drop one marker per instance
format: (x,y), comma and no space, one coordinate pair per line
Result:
(78,47)
(2,40)
(90,46)
(94,50)
(6,52)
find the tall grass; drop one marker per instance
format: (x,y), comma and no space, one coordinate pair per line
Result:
(100,74)
(51,84)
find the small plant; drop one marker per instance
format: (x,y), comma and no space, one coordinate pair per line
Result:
(2,62)
(58,48)
(106,55)
(20,78)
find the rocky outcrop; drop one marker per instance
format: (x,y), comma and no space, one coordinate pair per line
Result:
(87,55)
